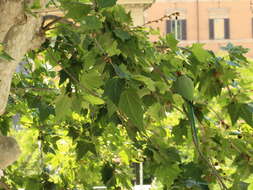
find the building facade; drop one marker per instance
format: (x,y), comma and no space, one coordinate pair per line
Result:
(212,22)
(137,8)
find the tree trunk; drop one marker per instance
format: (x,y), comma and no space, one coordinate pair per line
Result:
(19,33)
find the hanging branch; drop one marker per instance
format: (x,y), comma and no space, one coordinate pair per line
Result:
(176,14)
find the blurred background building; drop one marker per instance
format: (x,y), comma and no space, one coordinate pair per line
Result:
(212,22)
(137,8)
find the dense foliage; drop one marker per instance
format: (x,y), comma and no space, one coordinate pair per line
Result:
(99,96)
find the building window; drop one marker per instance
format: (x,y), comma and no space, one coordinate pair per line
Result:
(178,27)
(219,29)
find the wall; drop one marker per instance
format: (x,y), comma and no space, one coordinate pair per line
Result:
(137,8)
(238,11)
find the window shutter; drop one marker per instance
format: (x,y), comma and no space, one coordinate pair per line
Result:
(226,28)
(184,29)
(211,29)
(168,26)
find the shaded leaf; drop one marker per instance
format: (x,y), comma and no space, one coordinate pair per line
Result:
(130,104)
(200,53)
(106,3)
(76,10)
(113,89)
(92,79)
(233,111)
(121,34)
(83,147)
(150,83)
(246,113)
(62,107)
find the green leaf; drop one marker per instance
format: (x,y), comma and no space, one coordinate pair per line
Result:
(107,174)
(76,10)
(106,3)
(73,133)
(33,184)
(83,147)
(91,23)
(150,83)
(131,105)
(44,111)
(185,87)
(193,170)
(120,72)
(89,60)
(246,113)
(111,107)
(208,85)
(76,106)
(92,79)
(113,89)
(121,34)
(201,54)
(171,41)
(233,111)
(109,45)
(62,107)
(156,111)
(120,14)
(167,173)
(93,99)
(180,131)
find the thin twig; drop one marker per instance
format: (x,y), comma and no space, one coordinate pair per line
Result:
(176,14)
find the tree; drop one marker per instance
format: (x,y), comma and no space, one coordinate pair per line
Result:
(97,95)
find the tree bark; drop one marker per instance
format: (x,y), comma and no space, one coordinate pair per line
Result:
(19,33)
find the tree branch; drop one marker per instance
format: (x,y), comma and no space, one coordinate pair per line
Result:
(4,186)
(54,19)
(176,14)
(34,89)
